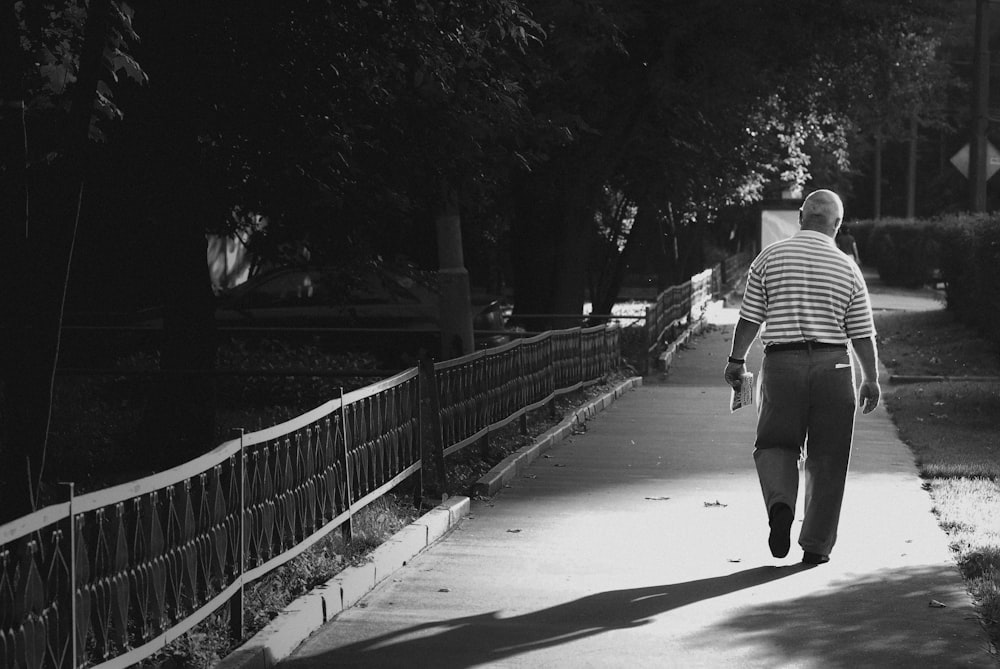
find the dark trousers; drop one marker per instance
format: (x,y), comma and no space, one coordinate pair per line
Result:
(806,412)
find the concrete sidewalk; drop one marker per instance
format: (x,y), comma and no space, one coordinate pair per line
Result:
(642,543)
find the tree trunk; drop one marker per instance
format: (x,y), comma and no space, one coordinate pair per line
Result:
(551,238)
(877,214)
(692,258)
(572,255)
(176,192)
(455,309)
(553,227)
(181,420)
(611,263)
(980,109)
(911,170)
(640,236)
(534,237)
(36,254)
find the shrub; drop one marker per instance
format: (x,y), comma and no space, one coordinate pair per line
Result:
(987,264)
(957,237)
(905,252)
(970,264)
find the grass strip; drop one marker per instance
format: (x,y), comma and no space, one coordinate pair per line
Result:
(953,429)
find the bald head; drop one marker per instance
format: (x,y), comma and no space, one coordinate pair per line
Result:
(822,211)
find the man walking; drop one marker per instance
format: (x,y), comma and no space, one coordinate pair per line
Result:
(807,300)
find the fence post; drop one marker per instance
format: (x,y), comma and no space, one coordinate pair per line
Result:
(346,529)
(72,576)
(237,624)
(434,414)
(418,487)
(522,399)
(647,341)
(550,373)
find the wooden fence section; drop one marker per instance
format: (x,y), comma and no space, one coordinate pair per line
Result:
(111,577)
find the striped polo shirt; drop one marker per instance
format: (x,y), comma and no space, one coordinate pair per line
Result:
(806,289)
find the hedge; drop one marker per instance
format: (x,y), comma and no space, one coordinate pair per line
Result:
(963,250)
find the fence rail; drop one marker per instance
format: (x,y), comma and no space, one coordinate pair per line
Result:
(110,577)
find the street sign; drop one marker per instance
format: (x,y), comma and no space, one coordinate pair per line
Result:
(961,160)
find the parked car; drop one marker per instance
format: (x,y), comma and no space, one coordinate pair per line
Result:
(376,299)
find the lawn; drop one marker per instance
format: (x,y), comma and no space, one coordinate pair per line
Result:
(953,429)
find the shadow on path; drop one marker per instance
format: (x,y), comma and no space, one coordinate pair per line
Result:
(473,640)
(883,619)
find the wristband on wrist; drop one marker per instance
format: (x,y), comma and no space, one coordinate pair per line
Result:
(737,361)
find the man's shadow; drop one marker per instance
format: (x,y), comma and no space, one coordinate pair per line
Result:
(474,640)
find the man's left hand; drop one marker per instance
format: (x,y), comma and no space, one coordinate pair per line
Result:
(868,396)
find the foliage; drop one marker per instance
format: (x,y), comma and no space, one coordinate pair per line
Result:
(691,107)
(51,35)
(906,252)
(58,67)
(369,106)
(900,73)
(360,109)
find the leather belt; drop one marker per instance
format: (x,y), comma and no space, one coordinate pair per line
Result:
(803,346)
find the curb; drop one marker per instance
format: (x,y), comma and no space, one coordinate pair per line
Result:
(667,357)
(898,379)
(309,612)
(508,469)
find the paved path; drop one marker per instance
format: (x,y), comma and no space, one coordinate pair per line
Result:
(642,543)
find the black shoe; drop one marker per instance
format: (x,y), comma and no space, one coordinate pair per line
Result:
(814,558)
(780,520)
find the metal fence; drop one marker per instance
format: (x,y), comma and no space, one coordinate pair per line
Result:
(485,391)
(676,306)
(109,578)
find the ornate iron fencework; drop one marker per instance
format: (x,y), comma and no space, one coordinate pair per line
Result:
(111,577)
(536,376)
(485,391)
(676,306)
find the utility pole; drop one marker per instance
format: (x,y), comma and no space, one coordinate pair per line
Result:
(980,108)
